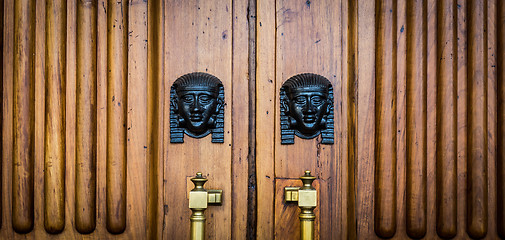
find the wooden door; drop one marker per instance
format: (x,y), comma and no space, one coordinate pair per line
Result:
(418,108)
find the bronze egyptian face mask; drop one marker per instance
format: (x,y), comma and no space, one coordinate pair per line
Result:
(196,107)
(307,108)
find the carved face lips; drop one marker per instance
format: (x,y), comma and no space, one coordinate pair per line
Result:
(197,107)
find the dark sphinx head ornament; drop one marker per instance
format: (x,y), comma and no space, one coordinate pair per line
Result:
(307,108)
(197,107)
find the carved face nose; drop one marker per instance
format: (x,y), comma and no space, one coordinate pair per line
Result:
(196,107)
(309,108)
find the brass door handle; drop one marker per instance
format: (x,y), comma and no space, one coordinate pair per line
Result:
(306,196)
(199,198)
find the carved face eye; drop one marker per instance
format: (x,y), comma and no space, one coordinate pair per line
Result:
(188,98)
(204,98)
(300,100)
(317,100)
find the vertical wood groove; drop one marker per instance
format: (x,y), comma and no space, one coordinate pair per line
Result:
(477,182)
(252,201)
(117,65)
(24,116)
(500,158)
(86,117)
(385,119)
(446,168)
(54,136)
(416,94)
(1,104)
(351,115)
(154,119)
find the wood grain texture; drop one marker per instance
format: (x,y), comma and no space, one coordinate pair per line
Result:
(252,200)
(54,134)
(461,12)
(265,117)
(446,120)
(500,158)
(8,116)
(287,214)
(365,117)
(199,39)
(86,117)
(477,184)
(117,65)
(137,100)
(240,111)
(431,100)
(1,103)
(492,111)
(155,91)
(416,91)
(349,110)
(401,115)
(385,119)
(307,44)
(163,44)
(24,117)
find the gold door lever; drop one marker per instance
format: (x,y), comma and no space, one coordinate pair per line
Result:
(199,197)
(306,196)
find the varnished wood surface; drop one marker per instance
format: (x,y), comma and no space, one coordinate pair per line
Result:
(265,117)
(301,41)
(155,105)
(287,222)
(54,131)
(240,110)
(1,94)
(86,117)
(446,120)
(477,186)
(416,95)
(24,119)
(117,69)
(385,119)
(200,39)
(416,83)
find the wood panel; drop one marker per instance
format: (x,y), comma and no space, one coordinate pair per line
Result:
(365,118)
(117,70)
(438,67)
(54,132)
(137,119)
(199,39)
(446,120)
(419,111)
(416,87)
(265,118)
(385,119)
(155,103)
(241,109)
(24,121)
(86,117)
(90,66)
(349,99)
(461,27)
(477,187)
(306,43)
